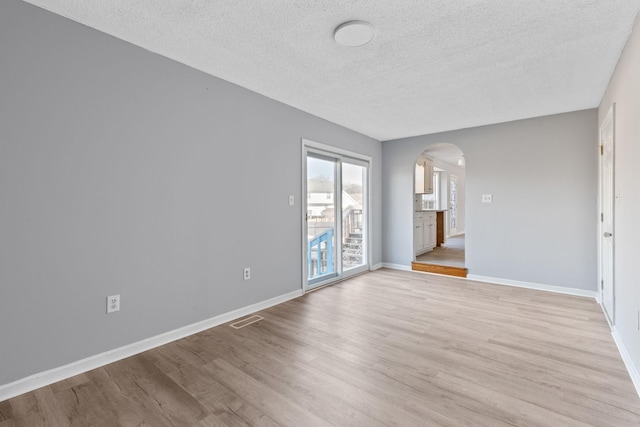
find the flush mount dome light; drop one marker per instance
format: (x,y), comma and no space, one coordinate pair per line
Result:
(353,33)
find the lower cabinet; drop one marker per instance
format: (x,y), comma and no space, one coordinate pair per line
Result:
(430,224)
(418,237)
(424,232)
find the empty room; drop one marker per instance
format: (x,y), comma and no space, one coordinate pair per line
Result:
(171,175)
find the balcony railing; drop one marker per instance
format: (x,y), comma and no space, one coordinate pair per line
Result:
(322,247)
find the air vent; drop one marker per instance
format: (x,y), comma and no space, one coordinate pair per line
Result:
(246,321)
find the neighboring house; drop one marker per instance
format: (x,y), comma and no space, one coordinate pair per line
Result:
(320,197)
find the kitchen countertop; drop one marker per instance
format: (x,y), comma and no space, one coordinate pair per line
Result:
(432,210)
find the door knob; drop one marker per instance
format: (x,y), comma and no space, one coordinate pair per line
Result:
(607,234)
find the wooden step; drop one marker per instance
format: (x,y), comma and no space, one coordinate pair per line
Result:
(439,269)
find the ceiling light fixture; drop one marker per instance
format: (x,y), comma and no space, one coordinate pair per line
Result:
(353,33)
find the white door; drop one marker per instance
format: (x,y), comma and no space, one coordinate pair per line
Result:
(453,205)
(606,236)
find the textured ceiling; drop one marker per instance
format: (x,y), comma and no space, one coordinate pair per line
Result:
(433,65)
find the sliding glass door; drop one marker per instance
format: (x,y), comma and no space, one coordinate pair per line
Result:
(354,183)
(321,218)
(335,216)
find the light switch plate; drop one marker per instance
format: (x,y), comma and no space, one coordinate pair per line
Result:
(487,198)
(292,200)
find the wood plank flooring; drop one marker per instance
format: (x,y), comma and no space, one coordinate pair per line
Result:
(384,348)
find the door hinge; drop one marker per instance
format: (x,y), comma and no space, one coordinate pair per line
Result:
(601,217)
(601,150)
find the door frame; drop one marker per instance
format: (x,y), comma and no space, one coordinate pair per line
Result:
(340,154)
(609,119)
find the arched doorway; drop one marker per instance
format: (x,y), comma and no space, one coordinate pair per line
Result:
(438,211)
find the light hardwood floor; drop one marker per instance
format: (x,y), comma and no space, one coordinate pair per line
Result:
(384,348)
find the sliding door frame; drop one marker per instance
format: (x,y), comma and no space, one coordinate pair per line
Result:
(341,155)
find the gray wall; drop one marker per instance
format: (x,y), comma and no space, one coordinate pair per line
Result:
(124,172)
(624,90)
(542,173)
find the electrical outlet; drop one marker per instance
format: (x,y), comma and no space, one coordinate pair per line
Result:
(113,303)
(247,273)
(487,198)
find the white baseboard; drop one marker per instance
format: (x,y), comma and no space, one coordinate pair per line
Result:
(396,266)
(634,371)
(376,266)
(33,382)
(536,286)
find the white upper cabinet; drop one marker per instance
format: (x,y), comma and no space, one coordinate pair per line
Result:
(424,175)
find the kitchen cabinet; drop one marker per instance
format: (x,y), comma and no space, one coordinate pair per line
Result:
(430,230)
(418,237)
(424,232)
(424,176)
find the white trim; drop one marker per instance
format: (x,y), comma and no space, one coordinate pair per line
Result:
(396,266)
(604,313)
(303,206)
(536,286)
(377,266)
(609,118)
(33,382)
(331,150)
(634,371)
